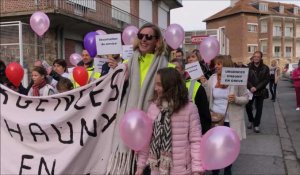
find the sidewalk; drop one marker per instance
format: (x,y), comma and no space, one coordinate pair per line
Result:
(289,126)
(270,152)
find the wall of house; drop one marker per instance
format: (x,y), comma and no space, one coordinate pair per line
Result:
(235,29)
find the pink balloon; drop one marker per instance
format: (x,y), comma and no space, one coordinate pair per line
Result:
(129,34)
(39,22)
(101,32)
(136,129)
(220,147)
(209,48)
(174,35)
(75,58)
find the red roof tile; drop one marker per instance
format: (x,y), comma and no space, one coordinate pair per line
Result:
(248,6)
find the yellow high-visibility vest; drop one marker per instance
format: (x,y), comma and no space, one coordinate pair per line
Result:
(92,76)
(145,63)
(192,86)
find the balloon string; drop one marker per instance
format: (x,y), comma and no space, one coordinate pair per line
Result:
(44,46)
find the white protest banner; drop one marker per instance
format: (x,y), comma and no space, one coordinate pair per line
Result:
(127,52)
(194,70)
(69,133)
(98,63)
(109,44)
(234,76)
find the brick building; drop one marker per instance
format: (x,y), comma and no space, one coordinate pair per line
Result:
(194,38)
(250,25)
(70,20)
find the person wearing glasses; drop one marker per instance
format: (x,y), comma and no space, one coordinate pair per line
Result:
(195,56)
(148,57)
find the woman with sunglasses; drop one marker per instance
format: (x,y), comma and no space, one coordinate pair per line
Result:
(149,56)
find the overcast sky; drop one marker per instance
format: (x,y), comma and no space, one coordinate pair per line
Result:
(193,12)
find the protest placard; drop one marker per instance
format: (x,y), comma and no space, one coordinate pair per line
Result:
(234,76)
(194,70)
(109,44)
(127,52)
(98,63)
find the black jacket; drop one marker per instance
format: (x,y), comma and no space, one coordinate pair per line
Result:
(258,77)
(205,69)
(202,104)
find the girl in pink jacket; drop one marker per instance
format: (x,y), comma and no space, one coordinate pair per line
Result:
(296,78)
(175,144)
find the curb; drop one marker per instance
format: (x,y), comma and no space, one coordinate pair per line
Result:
(291,162)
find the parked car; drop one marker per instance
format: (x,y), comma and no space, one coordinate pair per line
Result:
(288,68)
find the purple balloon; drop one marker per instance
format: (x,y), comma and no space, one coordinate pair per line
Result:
(101,32)
(136,129)
(129,34)
(219,147)
(209,48)
(89,43)
(39,22)
(75,58)
(174,36)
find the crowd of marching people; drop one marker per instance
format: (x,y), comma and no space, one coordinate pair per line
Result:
(182,109)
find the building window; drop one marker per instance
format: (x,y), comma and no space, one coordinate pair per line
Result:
(264,28)
(277,31)
(281,9)
(263,7)
(276,53)
(264,49)
(252,27)
(288,31)
(252,48)
(91,4)
(296,10)
(288,52)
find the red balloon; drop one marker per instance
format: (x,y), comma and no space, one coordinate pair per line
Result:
(14,72)
(80,75)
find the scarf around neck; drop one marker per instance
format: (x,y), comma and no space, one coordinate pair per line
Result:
(36,87)
(160,156)
(137,97)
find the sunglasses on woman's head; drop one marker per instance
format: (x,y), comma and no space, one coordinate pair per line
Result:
(148,37)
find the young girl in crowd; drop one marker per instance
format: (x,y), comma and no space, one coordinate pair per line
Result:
(64,85)
(228,101)
(40,86)
(296,78)
(175,142)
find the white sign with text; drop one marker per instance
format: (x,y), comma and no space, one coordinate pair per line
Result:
(109,44)
(194,70)
(127,52)
(98,63)
(234,76)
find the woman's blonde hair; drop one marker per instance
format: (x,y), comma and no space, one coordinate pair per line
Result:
(160,45)
(225,60)
(274,62)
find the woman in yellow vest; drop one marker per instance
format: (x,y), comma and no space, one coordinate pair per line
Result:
(149,56)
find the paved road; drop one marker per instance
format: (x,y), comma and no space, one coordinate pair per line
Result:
(276,150)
